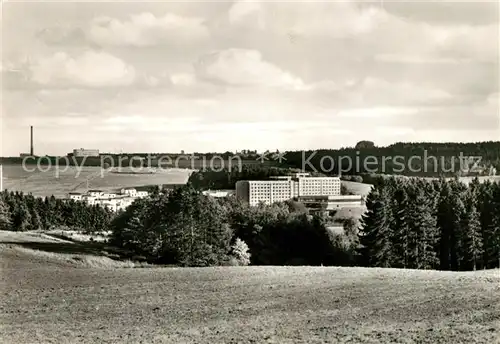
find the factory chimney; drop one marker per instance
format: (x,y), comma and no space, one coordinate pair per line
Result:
(32,153)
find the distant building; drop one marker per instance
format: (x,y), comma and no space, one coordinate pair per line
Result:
(218,193)
(332,202)
(112,201)
(79,153)
(131,192)
(95,193)
(75,196)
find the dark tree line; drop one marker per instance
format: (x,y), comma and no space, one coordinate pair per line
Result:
(397,159)
(419,224)
(227,178)
(21,212)
(187,228)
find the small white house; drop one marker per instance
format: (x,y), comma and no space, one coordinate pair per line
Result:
(75,196)
(95,193)
(129,191)
(142,194)
(89,199)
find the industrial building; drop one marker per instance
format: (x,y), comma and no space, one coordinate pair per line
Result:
(299,186)
(81,152)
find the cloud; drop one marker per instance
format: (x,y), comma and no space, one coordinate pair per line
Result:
(334,19)
(183,79)
(59,35)
(91,69)
(243,67)
(372,28)
(246,12)
(146,29)
(379,91)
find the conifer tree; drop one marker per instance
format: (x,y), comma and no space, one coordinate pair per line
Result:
(474,240)
(400,229)
(21,218)
(422,226)
(374,235)
(5,216)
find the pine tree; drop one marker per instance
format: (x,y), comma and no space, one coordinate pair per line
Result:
(5,216)
(36,222)
(450,217)
(374,235)
(489,210)
(399,227)
(21,218)
(474,239)
(422,226)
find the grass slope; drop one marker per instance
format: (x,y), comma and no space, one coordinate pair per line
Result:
(45,302)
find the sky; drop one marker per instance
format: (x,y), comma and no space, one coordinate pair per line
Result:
(210,76)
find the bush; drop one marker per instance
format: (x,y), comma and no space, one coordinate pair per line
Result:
(357,179)
(239,253)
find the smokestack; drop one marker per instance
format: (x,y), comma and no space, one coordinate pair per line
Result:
(32,153)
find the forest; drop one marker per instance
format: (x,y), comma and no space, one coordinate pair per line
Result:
(419,224)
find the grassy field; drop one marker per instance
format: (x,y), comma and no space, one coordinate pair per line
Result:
(357,188)
(60,182)
(49,299)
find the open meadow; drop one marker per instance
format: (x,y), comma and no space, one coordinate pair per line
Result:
(59,182)
(56,298)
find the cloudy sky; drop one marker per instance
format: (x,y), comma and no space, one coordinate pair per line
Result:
(216,76)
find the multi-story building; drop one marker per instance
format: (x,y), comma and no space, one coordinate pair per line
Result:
(282,188)
(267,191)
(80,153)
(318,186)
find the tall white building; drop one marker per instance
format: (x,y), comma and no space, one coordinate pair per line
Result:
(284,188)
(318,186)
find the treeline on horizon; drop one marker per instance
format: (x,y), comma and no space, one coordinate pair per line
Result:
(409,223)
(24,212)
(226,178)
(447,155)
(382,160)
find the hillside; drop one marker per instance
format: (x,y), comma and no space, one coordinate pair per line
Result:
(244,305)
(59,183)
